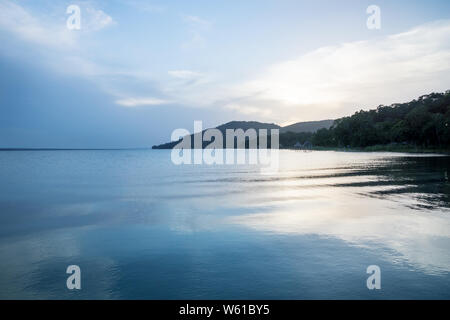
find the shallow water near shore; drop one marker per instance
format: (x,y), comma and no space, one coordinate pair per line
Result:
(141,227)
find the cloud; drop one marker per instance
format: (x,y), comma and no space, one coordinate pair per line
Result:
(136,102)
(337,80)
(185,74)
(64,50)
(196,21)
(249,110)
(96,19)
(47,31)
(197,27)
(329,82)
(19,21)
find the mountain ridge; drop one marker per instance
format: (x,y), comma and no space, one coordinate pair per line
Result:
(421,123)
(299,127)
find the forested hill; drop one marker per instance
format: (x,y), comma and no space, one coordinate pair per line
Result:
(423,122)
(234,125)
(309,126)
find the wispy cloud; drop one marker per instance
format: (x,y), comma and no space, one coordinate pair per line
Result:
(23,24)
(249,110)
(185,74)
(196,21)
(337,80)
(138,102)
(185,79)
(331,81)
(197,27)
(96,19)
(64,49)
(47,31)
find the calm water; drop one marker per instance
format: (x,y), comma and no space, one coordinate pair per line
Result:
(140,227)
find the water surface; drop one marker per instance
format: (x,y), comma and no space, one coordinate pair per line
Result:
(140,227)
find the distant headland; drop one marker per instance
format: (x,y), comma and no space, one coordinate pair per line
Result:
(422,124)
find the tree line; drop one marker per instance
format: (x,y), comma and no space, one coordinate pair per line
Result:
(423,122)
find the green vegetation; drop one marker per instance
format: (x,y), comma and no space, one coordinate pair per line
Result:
(289,139)
(421,125)
(308,126)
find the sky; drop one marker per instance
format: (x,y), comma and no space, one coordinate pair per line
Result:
(136,70)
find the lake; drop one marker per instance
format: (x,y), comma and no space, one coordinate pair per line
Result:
(140,227)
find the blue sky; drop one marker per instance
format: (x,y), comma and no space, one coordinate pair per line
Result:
(136,70)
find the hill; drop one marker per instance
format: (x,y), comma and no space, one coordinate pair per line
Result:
(245,125)
(421,123)
(234,125)
(309,126)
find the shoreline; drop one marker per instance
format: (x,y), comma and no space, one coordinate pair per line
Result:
(377,148)
(384,148)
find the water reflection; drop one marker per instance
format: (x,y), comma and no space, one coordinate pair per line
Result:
(396,202)
(141,227)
